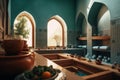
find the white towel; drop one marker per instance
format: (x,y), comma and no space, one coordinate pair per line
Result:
(104,47)
(95,47)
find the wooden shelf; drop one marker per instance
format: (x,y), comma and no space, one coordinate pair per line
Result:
(83,38)
(101,37)
(96,38)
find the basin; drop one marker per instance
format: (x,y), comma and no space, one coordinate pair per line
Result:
(86,70)
(77,67)
(53,56)
(76,70)
(111,76)
(105,75)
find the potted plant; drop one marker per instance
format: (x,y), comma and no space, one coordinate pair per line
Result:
(17,44)
(20,29)
(57,39)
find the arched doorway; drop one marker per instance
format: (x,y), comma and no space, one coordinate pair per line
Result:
(30,25)
(56,32)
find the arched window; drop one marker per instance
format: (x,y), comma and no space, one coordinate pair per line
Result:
(56,32)
(30,25)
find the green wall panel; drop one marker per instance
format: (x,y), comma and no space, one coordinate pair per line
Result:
(42,10)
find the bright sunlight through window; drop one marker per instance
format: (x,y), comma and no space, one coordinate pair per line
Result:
(54,33)
(29,25)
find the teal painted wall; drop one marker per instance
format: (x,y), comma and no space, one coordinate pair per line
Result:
(42,10)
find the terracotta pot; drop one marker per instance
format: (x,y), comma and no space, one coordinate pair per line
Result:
(119,69)
(98,62)
(13,46)
(25,47)
(14,65)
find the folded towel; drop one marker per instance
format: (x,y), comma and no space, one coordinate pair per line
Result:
(95,47)
(82,46)
(104,47)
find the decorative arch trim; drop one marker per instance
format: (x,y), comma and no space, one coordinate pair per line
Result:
(32,20)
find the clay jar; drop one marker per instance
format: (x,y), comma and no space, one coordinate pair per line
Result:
(25,47)
(13,47)
(98,62)
(16,64)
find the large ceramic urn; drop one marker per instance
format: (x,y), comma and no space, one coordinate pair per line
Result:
(16,64)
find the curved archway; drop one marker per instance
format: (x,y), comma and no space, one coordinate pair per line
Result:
(82,24)
(82,31)
(92,16)
(98,15)
(31,25)
(103,21)
(58,32)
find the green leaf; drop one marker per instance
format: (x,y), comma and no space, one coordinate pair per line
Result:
(20,27)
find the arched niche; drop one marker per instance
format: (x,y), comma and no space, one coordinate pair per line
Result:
(82,25)
(82,31)
(92,16)
(99,19)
